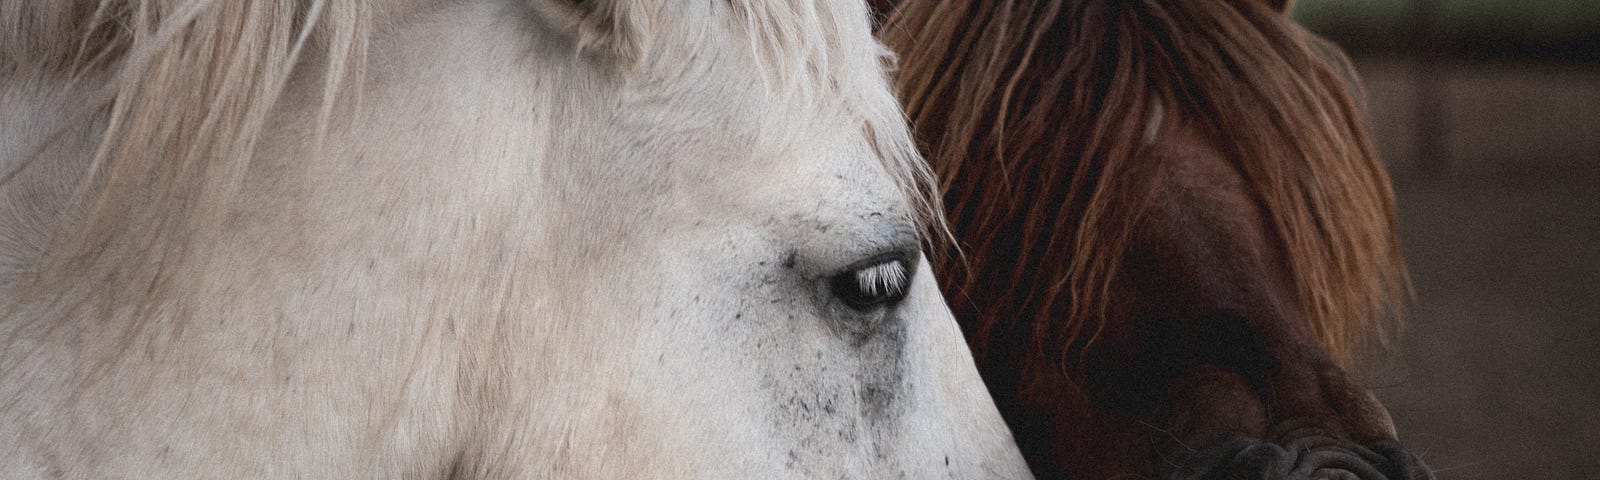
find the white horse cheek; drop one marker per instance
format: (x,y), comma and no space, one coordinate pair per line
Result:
(952,406)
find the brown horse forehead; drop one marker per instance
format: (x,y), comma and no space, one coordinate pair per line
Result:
(1204,219)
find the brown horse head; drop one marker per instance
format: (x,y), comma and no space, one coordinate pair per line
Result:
(1176,242)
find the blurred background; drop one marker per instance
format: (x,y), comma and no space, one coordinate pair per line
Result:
(1488,114)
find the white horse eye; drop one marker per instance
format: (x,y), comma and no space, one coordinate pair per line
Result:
(878,284)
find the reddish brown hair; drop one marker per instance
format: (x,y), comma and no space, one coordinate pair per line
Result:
(1034,112)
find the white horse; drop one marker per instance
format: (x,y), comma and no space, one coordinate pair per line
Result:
(474,238)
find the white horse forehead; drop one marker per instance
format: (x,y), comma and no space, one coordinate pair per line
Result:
(799,65)
(743,139)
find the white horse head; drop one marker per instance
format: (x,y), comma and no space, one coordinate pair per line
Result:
(482,238)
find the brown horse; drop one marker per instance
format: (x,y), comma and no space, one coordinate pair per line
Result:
(1177,240)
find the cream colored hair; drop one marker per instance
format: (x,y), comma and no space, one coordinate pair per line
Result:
(189,85)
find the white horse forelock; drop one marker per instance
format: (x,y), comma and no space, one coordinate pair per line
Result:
(183,89)
(182,119)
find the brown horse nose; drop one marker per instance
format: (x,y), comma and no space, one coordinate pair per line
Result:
(1310,457)
(1220,428)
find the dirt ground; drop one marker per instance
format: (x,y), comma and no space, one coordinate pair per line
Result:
(1498,373)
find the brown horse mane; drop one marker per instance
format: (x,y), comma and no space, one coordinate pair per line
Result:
(1034,115)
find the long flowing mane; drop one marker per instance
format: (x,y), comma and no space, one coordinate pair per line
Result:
(184,89)
(1056,97)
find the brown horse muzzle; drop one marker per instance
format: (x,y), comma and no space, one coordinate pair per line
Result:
(1223,432)
(1312,457)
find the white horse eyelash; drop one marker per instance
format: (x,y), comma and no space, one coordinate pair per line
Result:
(887,278)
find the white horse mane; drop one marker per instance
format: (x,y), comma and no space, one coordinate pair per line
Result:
(188,86)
